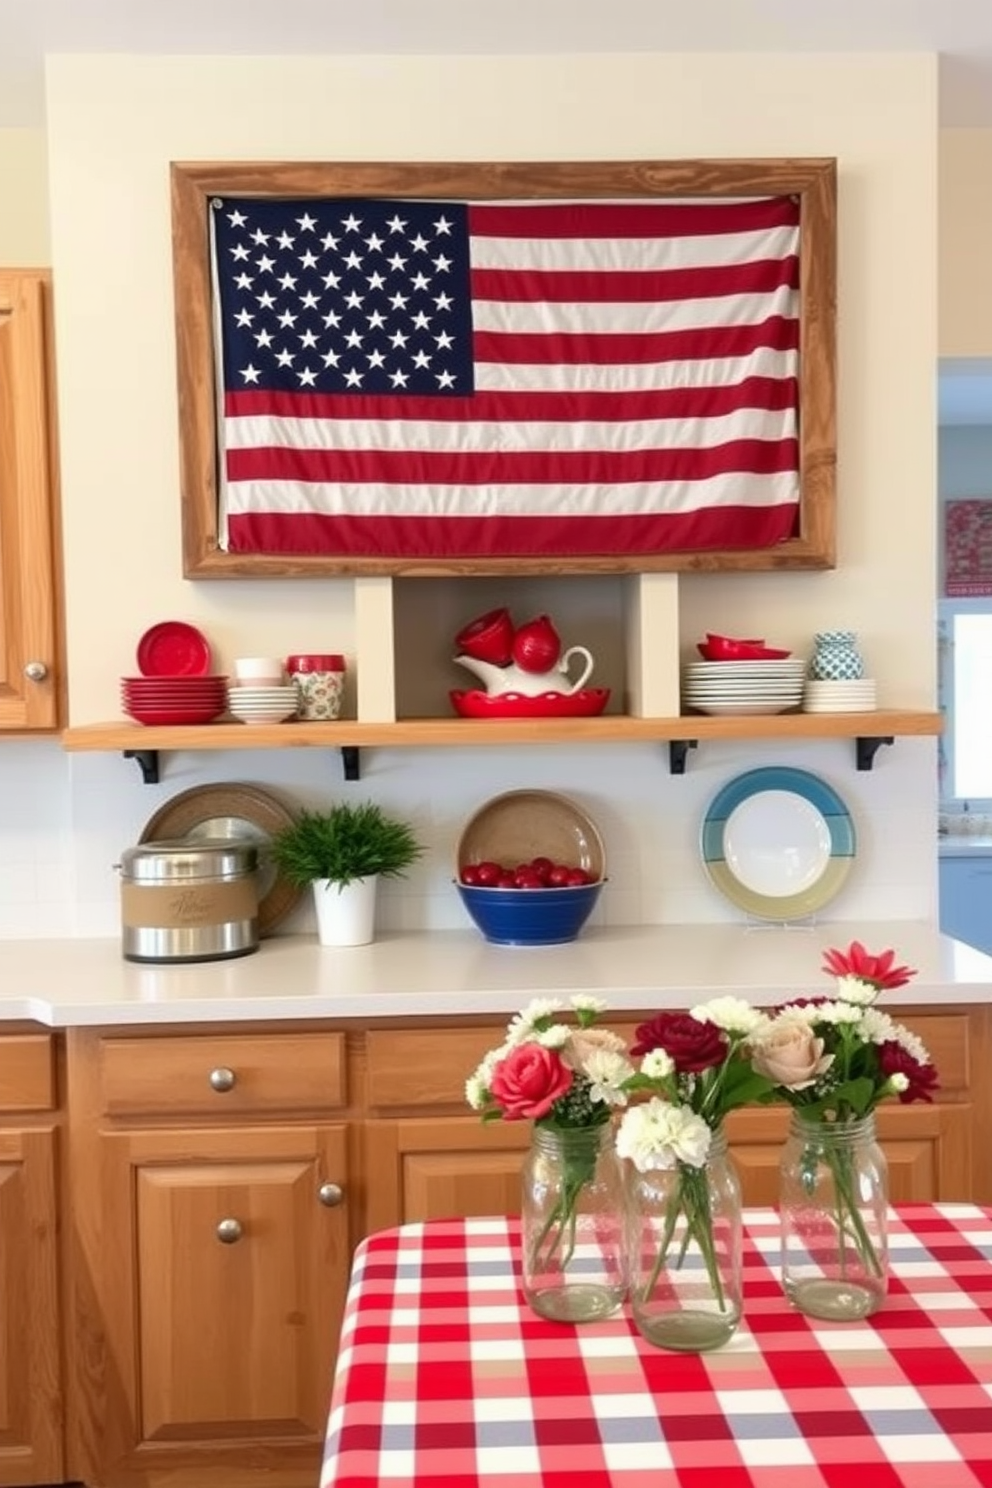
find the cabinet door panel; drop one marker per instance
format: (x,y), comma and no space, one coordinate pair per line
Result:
(28,503)
(442,1168)
(222,1342)
(30,1376)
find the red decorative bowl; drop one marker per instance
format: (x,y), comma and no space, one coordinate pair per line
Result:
(582,704)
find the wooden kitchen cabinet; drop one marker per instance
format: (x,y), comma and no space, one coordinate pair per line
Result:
(31,660)
(212,1255)
(31,1396)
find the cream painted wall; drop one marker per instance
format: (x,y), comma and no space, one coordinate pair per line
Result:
(965,283)
(114,123)
(24,236)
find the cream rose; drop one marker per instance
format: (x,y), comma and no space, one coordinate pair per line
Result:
(582,1042)
(791,1056)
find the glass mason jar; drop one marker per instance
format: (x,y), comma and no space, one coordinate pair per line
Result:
(833,1202)
(684,1251)
(572,1224)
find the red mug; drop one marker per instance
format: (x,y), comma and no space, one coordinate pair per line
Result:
(489,638)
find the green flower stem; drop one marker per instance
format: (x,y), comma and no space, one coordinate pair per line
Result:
(691,1199)
(847,1215)
(559,1229)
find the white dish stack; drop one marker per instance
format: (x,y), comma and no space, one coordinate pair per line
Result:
(276,703)
(854,695)
(731,688)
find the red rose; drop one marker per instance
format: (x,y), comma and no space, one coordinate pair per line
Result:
(529,1081)
(691,1045)
(878,970)
(893,1059)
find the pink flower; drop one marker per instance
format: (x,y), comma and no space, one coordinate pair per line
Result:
(529,1081)
(878,970)
(691,1045)
(893,1059)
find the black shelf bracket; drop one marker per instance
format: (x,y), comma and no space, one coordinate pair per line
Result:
(349,760)
(867,748)
(678,753)
(147,760)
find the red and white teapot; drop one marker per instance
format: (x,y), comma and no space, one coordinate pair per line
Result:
(527,660)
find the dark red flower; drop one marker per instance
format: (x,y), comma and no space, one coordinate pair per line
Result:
(878,970)
(691,1045)
(800,1002)
(893,1059)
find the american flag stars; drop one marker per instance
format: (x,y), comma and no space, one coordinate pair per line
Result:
(365,296)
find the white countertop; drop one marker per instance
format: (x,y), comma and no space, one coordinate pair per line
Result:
(961,845)
(66,983)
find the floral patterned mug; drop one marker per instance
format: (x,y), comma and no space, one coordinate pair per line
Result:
(320,684)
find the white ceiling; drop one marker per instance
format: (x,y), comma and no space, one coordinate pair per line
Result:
(960,30)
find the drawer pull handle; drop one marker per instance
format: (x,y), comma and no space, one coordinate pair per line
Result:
(223,1079)
(330,1195)
(229,1231)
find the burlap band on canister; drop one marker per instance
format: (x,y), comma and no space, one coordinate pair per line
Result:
(188,906)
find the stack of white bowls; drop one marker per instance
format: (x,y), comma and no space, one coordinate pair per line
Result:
(854,695)
(264,702)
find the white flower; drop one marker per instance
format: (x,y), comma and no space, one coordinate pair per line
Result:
(584,1002)
(606,1071)
(521,1027)
(794,1013)
(914,1046)
(657,1064)
(853,989)
(659,1135)
(898,1082)
(838,1012)
(476,1091)
(555,1037)
(732,1014)
(878,1027)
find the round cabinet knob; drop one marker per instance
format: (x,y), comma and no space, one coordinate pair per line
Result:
(36,671)
(229,1231)
(222,1079)
(330,1195)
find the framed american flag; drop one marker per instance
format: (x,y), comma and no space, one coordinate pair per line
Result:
(505,368)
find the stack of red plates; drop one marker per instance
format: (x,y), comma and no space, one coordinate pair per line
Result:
(165,700)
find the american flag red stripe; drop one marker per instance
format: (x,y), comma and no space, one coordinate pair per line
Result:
(624,373)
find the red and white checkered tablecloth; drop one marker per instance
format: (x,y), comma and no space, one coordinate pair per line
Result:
(446,1379)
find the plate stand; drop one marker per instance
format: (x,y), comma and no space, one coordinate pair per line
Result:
(807,923)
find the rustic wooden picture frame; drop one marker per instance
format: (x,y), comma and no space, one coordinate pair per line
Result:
(813,181)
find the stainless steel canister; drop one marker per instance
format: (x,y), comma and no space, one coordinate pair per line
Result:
(189,900)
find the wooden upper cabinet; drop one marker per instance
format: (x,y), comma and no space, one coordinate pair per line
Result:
(31,672)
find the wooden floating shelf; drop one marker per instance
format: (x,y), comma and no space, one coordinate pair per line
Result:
(144,744)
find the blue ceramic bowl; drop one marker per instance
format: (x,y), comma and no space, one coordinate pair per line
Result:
(530,917)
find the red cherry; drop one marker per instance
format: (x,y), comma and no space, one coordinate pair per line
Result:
(507,879)
(543,866)
(470,875)
(577,876)
(526,878)
(488,873)
(558,876)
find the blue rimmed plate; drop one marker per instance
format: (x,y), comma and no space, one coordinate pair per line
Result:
(778,842)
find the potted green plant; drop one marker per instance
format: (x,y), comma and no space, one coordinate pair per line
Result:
(343,852)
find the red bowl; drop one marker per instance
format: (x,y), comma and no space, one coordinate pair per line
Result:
(741,652)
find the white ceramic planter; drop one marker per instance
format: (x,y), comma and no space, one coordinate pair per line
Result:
(345,915)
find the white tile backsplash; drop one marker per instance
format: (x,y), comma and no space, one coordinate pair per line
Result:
(66,818)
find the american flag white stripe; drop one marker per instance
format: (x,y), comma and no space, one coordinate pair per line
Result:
(518,318)
(362,498)
(342,434)
(627,254)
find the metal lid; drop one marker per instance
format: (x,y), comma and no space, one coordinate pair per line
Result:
(207,857)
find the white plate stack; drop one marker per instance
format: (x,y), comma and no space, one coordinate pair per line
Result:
(261,704)
(854,696)
(727,688)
